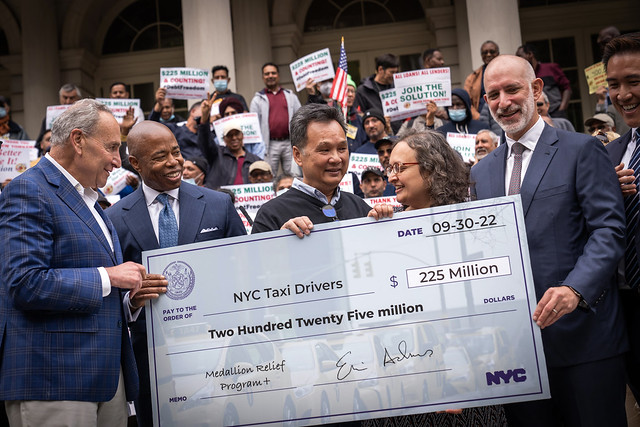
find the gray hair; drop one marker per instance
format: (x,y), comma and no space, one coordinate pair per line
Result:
(495,138)
(83,115)
(445,174)
(308,114)
(544,97)
(70,87)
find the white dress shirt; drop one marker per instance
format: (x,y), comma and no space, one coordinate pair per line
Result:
(529,140)
(630,147)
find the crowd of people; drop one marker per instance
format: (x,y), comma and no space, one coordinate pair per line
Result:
(71,274)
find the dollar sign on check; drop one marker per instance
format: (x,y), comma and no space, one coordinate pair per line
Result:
(393,280)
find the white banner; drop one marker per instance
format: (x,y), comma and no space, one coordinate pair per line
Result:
(316,66)
(248,123)
(16,157)
(185,83)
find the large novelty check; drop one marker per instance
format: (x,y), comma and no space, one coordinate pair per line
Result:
(428,310)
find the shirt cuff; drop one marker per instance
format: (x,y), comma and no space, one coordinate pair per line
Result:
(131,316)
(106,282)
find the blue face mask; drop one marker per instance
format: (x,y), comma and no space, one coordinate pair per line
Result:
(220,85)
(457,115)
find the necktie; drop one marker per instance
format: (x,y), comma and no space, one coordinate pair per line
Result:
(167,224)
(514,183)
(631,207)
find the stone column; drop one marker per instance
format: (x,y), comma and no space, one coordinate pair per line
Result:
(208,38)
(252,42)
(40,61)
(497,20)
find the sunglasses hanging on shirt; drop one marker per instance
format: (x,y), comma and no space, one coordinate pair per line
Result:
(330,212)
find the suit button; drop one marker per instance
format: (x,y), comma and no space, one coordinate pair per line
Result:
(119,323)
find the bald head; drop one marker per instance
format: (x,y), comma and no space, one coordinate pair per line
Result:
(511,91)
(155,154)
(516,65)
(143,132)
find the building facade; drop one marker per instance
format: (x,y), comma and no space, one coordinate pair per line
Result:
(93,43)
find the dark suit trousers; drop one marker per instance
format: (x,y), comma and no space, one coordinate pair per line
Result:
(631,309)
(144,411)
(589,394)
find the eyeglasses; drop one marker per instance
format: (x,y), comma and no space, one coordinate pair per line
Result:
(540,104)
(488,52)
(398,167)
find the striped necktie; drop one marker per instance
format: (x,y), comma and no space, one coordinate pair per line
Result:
(514,183)
(632,207)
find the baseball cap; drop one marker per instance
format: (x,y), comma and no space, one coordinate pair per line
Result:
(600,117)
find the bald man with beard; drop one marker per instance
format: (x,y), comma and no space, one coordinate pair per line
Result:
(575,226)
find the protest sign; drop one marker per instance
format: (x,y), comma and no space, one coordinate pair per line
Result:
(16,157)
(120,106)
(116,182)
(248,123)
(463,143)
(185,83)
(316,66)
(250,197)
(53,112)
(358,163)
(596,77)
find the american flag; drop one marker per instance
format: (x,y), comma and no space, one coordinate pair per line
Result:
(339,88)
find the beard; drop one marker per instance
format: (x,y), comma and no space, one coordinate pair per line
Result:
(526,109)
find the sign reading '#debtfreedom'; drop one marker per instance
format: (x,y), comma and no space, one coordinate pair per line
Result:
(413,89)
(248,123)
(408,308)
(465,144)
(185,83)
(316,66)
(119,106)
(16,157)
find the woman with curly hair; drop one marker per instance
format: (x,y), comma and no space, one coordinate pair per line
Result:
(427,172)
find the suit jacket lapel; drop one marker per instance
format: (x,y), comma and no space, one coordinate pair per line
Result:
(70,196)
(497,176)
(540,160)
(191,212)
(618,147)
(136,216)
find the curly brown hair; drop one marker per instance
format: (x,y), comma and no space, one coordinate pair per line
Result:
(445,174)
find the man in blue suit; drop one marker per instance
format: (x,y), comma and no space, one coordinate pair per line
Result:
(622,62)
(65,354)
(575,230)
(201,214)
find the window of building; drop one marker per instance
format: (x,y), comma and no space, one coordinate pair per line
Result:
(4,44)
(563,52)
(144,25)
(334,14)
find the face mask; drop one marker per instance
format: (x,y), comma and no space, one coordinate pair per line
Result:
(325,88)
(220,85)
(457,115)
(189,180)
